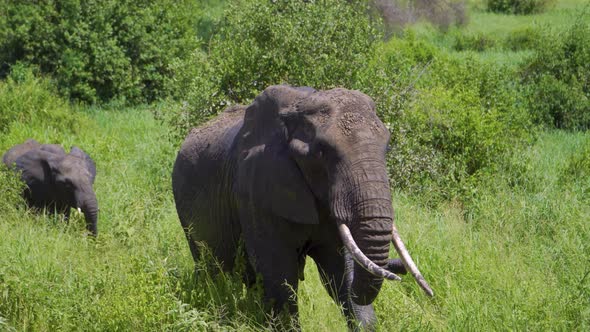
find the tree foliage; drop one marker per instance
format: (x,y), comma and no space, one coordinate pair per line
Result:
(259,43)
(99,50)
(557,78)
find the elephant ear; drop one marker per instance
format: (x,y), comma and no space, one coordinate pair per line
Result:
(54,148)
(268,178)
(37,166)
(88,162)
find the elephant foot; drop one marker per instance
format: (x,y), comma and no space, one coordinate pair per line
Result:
(285,321)
(364,318)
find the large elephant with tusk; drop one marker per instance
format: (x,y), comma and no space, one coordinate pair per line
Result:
(297,173)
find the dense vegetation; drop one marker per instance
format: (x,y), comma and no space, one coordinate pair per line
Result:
(99,50)
(558,77)
(489,160)
(518,6)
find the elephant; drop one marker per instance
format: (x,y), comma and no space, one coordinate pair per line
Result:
(56,180)
(296,173)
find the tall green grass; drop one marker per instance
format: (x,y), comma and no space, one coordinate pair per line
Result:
(516,257)
(513,257)
(52,277)
(510,253)
(506,39)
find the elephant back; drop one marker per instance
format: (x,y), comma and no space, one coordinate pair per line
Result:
(54,148)
(201,190)
(16,151)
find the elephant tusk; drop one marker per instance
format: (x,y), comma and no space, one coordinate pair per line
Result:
(408,261)
(360,258)
(79,210)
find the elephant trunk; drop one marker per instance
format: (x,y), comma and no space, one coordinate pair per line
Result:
(366,228)
(89,206)
(364,214)
(373,235)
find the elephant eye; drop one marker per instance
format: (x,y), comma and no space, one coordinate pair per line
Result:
(323,149)
(318,150)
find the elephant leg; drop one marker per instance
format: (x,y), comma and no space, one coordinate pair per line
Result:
(277,263)
(245,267)
(192,245)
(31,202)
(280,282)
(336,271)
(59,208)
(280,279)
(67,215)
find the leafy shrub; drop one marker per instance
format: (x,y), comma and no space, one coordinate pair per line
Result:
(523,39)
(208,17)
(99,50)
(28,100)
(475,42)
(12,188)
(523,7)
(577,169)
(557,78)
(451,118)
(259,43)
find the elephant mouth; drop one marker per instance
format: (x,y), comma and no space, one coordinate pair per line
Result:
(361,258)
(375,269)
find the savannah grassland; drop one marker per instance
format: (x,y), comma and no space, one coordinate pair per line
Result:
(499,226)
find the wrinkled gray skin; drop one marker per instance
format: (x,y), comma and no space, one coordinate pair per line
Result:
(56,180)
(281,173)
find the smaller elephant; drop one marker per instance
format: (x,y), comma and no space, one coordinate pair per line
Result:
(56,180)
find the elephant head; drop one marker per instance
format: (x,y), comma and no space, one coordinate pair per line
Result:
(57,179)
(330,148)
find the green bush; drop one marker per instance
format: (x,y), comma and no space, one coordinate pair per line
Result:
(523,7)
(29,101)
(577,170)
(208,18)
(12,188)
(259,43)
(451,118)
(523,39)
(99,50)
(476,42)
(557,78)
